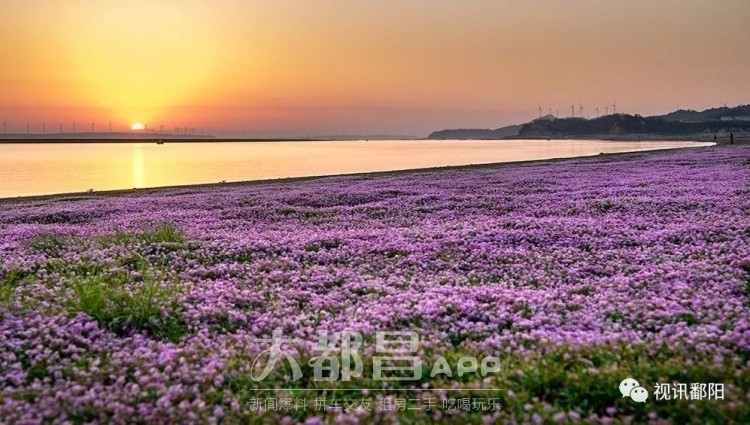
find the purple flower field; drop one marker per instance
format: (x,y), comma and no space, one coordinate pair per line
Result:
(576,274)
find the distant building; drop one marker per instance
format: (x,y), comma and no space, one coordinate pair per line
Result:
(742,118)
(727,118)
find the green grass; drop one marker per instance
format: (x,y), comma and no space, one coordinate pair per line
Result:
(51,244)
(123,305)
(119,237)
(744,287)
(140,298)
(603,206)
(582,380)
(10,281)
(326,244)
(161,233)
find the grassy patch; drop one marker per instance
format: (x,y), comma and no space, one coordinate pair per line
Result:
(566,379)
(615,316)
(745,287)
(686,318)
(395,253)
(51,244)
(562,380)
(162,233)
(603,206)
(324,244)
(119,237)
(123,305)
(11,279)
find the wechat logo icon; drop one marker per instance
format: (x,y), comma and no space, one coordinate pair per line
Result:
(631,388)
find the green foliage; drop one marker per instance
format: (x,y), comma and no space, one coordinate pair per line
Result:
(119,237)
(603,206)
(324,244)
(37,371)
(615,316)
(122,304)
(687,318)
(86,414)
(162,233)
(154,234)
(286,211)
(566,379)
(51,244)
(395,253)
(560,380)
(10,281)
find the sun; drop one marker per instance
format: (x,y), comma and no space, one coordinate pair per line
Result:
(138,126)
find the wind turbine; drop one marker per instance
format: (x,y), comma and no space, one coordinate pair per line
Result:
(110,128)
(27,129)
(597,111)
(724,104)
(92,128)
(580,110)
(60,128)
(539,109)
(606,109)
(572,110)
(74,128)
(614,107)
(44,129)
(4,130)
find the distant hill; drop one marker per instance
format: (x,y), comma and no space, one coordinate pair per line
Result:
(713,114)
(681,122)
(476,133)
(624,124)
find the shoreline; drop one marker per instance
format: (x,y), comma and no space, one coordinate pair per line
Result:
(114,193)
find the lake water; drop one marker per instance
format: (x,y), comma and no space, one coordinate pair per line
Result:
(37,169)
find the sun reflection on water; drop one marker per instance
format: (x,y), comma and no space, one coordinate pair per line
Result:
(138,166)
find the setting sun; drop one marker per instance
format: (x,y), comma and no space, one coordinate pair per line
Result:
(137,127)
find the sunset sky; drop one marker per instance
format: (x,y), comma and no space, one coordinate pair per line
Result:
(291,68)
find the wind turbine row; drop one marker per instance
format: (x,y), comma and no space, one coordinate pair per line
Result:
(73,129)
(61,130)
(580,110)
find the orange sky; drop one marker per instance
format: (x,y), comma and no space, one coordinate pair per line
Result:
(275,68)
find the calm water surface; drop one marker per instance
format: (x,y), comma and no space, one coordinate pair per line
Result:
(37,169)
